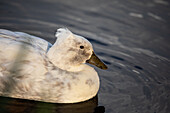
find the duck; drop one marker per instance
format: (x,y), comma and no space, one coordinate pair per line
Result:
(32,68)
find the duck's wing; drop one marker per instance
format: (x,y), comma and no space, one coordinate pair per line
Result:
(22,60)
(26,38)
(22,53)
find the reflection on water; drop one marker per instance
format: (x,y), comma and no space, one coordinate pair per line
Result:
(9,105)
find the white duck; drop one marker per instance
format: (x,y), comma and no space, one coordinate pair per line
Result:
(32,68)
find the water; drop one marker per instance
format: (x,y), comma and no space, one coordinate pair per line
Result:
(131,37)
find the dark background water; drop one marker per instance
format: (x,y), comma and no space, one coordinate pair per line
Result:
(131,36)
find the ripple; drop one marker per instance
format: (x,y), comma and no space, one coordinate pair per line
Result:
(97,42)
(138,67)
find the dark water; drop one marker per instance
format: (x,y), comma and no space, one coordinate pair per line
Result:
(132,37)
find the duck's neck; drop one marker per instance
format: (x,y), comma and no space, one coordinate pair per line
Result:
(59,57)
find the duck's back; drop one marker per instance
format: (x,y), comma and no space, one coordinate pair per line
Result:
(18,46)
(25,38)
(22,60)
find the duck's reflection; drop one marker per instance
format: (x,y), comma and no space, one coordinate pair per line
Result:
(9,105)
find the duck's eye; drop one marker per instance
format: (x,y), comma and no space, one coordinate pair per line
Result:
(81,47)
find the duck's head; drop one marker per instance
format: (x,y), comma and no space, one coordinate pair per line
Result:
(73,50)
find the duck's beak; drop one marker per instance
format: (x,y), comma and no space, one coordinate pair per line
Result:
(94,60)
